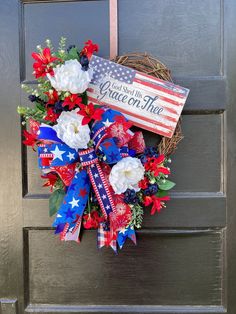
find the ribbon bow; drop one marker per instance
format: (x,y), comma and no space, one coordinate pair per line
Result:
(57,156)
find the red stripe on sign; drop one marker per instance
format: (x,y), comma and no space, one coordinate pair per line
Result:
(166,100)
(92,91)
(161,82)
(161,97)
(170,118)
(134,115)
(158,87)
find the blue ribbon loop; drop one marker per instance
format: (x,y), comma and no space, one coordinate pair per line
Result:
(75,201)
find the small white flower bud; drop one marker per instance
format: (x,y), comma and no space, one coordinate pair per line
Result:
(67,94)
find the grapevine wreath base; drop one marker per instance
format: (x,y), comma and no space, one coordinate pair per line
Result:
(100,172)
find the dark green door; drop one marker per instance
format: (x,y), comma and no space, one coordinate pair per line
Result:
(185,261)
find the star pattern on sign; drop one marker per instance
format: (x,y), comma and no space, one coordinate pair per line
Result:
(74,202)
(57,153)
(71,156)
(100,186)
(103,67)
(104,197)
(95,175)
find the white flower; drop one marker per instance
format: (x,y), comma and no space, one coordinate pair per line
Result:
(70,77)
(70,130)
(126,174)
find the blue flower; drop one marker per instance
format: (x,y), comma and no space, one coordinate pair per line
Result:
(84,61)
(151,152)
(130,197)
(151,190)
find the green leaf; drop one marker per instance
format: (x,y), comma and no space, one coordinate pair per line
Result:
(84,98)
(72,54)
(55,201)
(161,193)
(167,185)
(40,107)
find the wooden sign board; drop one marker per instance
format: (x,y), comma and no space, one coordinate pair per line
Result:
(150,103)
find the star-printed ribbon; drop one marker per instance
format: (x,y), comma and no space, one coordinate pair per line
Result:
(56,156)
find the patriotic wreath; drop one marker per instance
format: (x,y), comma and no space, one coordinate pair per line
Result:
(100,172)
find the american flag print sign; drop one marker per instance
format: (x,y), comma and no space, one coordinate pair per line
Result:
(149,102)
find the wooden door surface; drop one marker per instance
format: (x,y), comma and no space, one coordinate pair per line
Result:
(185,260)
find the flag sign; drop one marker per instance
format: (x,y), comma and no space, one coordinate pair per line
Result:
(149,102)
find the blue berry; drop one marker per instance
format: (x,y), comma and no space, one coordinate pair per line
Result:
(58,107)
(84,61)
(34,98)
(130,197)
(151,151)
(151,190)
(143,159)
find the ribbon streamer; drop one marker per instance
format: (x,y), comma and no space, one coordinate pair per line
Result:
(57,156)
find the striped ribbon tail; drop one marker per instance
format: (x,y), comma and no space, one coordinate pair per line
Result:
(99,183)
(105,237)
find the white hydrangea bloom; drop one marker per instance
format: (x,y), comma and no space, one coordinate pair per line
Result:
(70,130)
(126,174)
(70,77)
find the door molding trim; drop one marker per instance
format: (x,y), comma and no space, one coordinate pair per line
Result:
(8,306)
(48,308)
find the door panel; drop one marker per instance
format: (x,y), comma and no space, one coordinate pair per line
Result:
(152,273)
(179,264)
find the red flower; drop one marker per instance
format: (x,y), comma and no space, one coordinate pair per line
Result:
(155,165)
(157,202)
(52,97)
(51,115)
(51,180)
(143,184)
(30,138)
(72,101)
(92,220)
(89,49)
(43,65)
(89,112)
